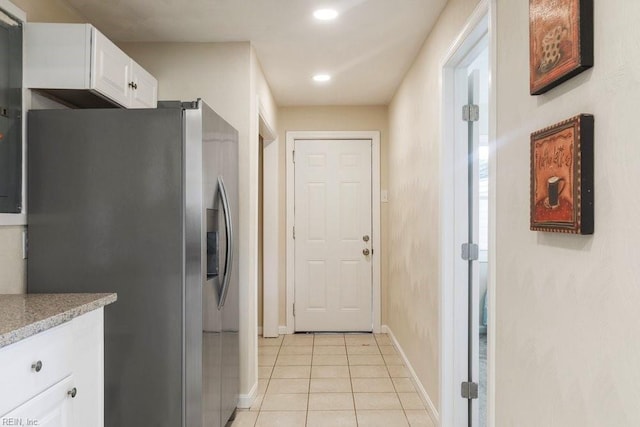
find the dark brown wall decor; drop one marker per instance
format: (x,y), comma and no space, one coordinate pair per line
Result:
(560,41)
(562,177)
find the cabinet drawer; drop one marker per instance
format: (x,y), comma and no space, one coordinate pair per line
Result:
(52,348)
(51,408)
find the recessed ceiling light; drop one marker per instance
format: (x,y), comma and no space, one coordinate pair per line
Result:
(321,78)
(325,14)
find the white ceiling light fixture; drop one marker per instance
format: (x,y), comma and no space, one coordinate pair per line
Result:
(321,78)
(325,14)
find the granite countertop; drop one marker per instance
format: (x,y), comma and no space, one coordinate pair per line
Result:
(28,314)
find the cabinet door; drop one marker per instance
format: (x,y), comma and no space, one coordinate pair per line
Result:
(88,368)
(51,408)
(145,88)
(111,70)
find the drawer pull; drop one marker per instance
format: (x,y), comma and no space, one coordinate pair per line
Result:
(37,366)
(72,392)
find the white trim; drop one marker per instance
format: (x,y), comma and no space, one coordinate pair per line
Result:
(19,218)
(13,10)
(270,226)
(374,136)
(431,408)
(290,249)
(264,127)
(13,219)
(493,214)
(478,25)
(283,330)
(246,400)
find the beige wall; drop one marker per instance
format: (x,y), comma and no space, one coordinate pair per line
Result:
(13,269)
(336,118)
(568,328)
(13,275)
(49,11)
(228,77)
(414,204)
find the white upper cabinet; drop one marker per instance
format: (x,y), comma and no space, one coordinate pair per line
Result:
(77,64)
(145,88)
(111,70)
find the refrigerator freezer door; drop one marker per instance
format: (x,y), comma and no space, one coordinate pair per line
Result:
(106,215)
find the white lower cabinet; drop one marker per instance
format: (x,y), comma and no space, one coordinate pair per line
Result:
(51,408)
(55,378)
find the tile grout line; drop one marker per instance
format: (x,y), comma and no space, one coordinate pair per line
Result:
(353,396)
(313,348)
(404,412)
(378,345)
(273,368)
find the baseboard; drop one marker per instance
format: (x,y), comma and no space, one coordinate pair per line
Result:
(431,408)
(246,400)
(282,330)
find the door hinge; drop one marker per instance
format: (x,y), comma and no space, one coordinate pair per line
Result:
(471,113)
(469,390)
(294,156)
(294,232)
(294,309)
(470,251)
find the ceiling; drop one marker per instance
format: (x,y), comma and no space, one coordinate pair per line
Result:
(367,49)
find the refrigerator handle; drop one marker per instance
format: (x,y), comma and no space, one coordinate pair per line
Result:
(228,263)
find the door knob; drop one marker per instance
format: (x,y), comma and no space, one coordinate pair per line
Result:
(365,252)
(365,238)
(73,392)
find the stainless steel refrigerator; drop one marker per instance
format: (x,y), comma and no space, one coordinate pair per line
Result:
(144,203)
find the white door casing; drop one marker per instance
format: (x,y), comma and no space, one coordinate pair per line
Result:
(477,33)
(333,269)
(374,243)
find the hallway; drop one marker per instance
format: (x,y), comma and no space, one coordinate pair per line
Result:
(333,380)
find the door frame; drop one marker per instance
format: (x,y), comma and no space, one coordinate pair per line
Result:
(480,24)
(270,224)
(374,136)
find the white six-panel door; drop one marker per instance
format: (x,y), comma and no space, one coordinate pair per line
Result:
(333,229)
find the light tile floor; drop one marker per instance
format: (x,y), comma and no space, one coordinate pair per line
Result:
(333,380)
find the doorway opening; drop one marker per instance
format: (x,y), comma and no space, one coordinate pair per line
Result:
(467,194)
(260,234)
(268,231)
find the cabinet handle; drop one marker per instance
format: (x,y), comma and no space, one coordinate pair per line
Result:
(133,85)
(37,366)
(72,392)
